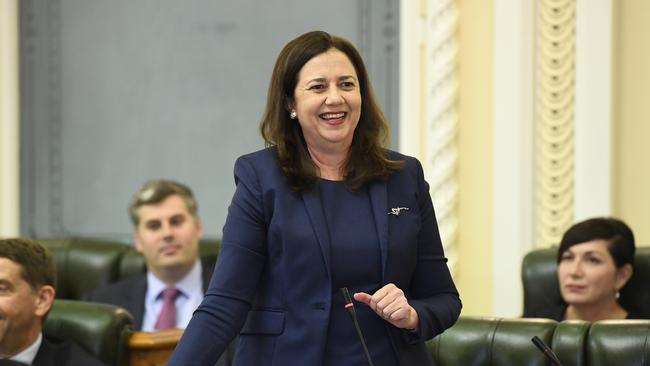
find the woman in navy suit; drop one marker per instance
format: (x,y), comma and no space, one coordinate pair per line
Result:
(324,206)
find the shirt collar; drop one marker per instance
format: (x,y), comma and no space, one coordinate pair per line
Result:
(28,355)
(156,286)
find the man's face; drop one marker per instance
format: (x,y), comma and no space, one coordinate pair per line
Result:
(21,309)
(168,237)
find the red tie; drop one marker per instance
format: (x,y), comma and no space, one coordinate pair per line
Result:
(167,316)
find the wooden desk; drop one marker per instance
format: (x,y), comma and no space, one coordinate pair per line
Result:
(153,348)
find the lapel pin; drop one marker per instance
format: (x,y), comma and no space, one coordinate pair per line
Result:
(397,210)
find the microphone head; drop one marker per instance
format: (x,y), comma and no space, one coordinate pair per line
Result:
(546,350)
(538,342)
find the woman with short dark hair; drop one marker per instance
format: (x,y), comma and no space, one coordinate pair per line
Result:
(595,260)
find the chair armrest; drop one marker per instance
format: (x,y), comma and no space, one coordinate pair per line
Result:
(153,348)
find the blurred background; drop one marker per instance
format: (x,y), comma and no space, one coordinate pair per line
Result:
(527,115)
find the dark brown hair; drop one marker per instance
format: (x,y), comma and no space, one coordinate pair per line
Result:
(619,237)
(37,266)
(367,160)
(156,191)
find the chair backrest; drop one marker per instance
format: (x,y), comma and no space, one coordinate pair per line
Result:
(85,264)
(497,341)
(569,341)
(619,342)
(542,290)
(102,330)
(492,341)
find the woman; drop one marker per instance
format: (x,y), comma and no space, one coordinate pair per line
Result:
(595,261)
(324,207)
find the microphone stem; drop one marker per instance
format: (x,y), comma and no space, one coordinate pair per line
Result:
(548,352)
(552,357)
(349,307)
(363,341)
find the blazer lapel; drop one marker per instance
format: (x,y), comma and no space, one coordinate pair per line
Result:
(379,200)
(318,222)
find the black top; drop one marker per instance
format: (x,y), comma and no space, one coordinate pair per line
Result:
(344,210)
(558,313)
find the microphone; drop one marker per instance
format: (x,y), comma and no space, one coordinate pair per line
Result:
(349,307)
(548,352)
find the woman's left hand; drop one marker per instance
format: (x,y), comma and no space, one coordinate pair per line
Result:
(390,303)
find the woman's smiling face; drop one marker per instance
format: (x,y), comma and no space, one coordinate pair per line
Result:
(327,101)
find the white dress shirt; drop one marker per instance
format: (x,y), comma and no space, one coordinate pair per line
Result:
(191,295)
(28,355)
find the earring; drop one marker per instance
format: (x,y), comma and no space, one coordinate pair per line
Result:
(293,114)
(618,294)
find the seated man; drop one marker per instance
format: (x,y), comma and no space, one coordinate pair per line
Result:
(167,233)
(27,277)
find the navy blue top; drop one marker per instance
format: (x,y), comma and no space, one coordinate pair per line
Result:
(344,210)
(273,279)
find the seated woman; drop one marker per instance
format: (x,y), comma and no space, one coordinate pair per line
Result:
(595,261)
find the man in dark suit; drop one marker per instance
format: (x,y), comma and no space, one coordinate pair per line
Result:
(27,277)
(167,233)
(167,230)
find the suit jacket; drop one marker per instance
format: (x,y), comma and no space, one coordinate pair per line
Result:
(272,281)
(57,352)
(129,294)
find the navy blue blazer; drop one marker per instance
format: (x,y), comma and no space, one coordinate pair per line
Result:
(272,281)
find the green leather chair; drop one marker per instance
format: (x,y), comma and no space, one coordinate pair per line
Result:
(569,340)
(542,291)
(85,264)
(619,342)
(475,341)
(102,330)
